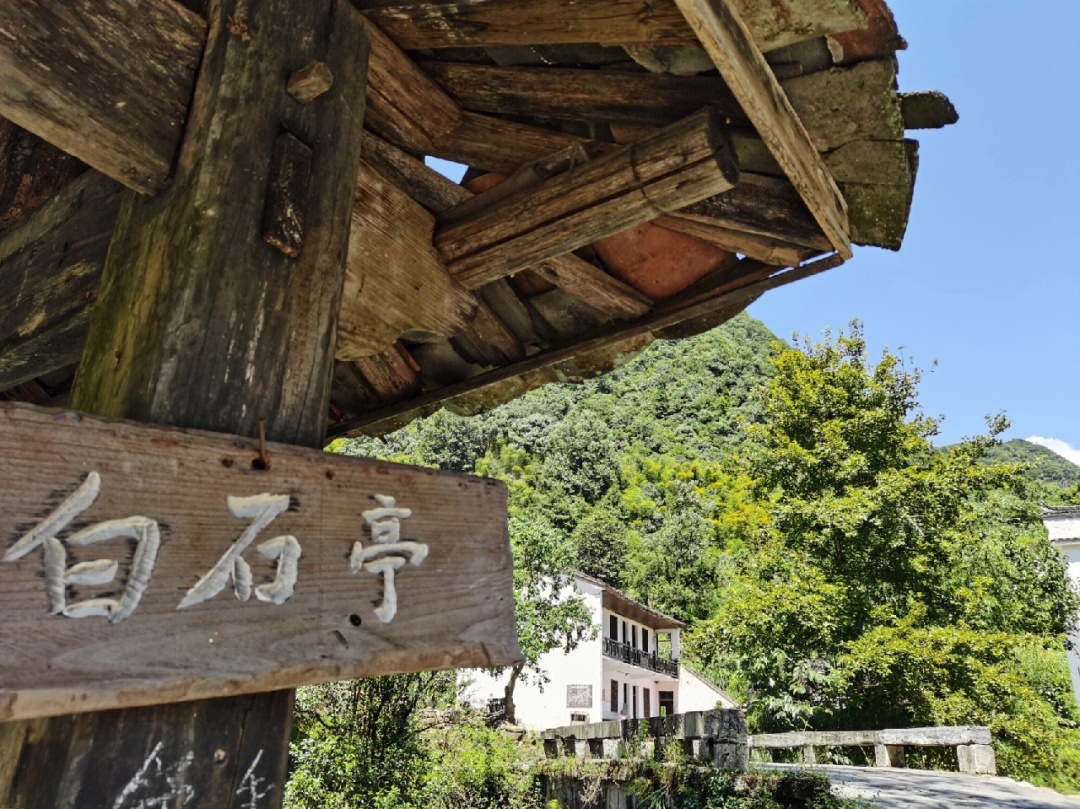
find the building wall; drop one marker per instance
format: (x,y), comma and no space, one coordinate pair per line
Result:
(538,706)
(1062,527)
(697,694)
(1071,552)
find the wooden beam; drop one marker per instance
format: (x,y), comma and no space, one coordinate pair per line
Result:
(425,185)
(452,201)
(396,285)
(404,105)
(50,269)
(108,81)
(760,248)
(31,172)
(574,94)
(683,163)
(480,23)
(203,324)
(672,313)
(599,289)
(728,42)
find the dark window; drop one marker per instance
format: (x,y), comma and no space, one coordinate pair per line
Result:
(625,696)
(614,696)
(633,636)
(645,702)
(645,639)
(625,634)
(634,703)
(613,627)
(667,702)
(579,718)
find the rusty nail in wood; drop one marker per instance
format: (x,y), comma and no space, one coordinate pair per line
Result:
(263,460)
(310,82)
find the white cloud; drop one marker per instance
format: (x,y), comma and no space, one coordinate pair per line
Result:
(1067,452)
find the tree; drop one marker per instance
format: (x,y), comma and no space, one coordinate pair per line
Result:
(877,541)
(548,612)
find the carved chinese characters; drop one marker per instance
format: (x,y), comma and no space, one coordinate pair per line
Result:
(143,564)
(101,571)
(384,556)
(388,552)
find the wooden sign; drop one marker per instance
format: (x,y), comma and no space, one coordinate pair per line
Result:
(142,564)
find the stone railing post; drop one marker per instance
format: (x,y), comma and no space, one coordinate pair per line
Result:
(976,759)
(888,755)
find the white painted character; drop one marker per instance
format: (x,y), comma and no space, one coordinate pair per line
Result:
(261,509)
(58,576)
(387,553)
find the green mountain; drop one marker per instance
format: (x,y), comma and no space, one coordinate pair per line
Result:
(1046,466)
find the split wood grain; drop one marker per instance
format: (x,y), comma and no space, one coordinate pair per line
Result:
(454,609)
(404,105)
(729,44)
(108,81)
(452,202)
(396,285)
(683,163)
(481,23)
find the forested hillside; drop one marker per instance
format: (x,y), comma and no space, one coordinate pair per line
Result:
(1045,465)
(835,569)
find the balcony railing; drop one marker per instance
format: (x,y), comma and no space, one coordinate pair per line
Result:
(636,657)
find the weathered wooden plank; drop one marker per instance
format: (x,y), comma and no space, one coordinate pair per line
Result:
(404,105)
(31,172)
(108,81)
(762,205)
(685,162)
(728,42)
(50,269)
(599,289)
(239,578)
(498,145)
(418,25)
(425,185)
(760,248)
(581,95)
(395,282)
(732,297)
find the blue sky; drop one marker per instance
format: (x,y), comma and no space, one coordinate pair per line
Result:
(988,280)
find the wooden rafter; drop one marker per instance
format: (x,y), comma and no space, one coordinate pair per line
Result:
(672,313)
(478,23)
(729,44)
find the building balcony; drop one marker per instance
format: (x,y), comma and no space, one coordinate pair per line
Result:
(636,657)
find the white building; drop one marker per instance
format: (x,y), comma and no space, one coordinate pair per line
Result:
(630,670)
(1063,525)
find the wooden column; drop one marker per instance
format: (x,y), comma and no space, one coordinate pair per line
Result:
(204,322)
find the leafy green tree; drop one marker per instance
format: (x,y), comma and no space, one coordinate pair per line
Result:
(876,540)
(548,612)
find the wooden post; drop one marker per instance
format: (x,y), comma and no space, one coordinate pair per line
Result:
(202,323)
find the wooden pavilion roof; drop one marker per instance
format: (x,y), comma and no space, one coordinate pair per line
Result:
(466,296)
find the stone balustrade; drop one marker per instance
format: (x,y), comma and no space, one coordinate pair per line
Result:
(974,752)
